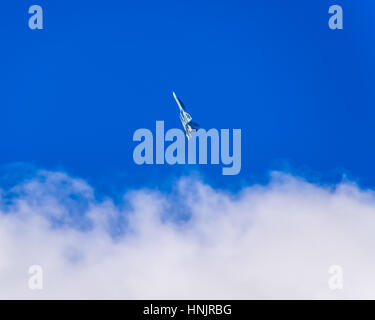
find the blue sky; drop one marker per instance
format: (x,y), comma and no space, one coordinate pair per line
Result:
(73,202)
(73,94)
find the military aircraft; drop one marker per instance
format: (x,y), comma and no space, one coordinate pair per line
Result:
(186,119)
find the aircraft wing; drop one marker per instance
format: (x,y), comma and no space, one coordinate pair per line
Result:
(194,125)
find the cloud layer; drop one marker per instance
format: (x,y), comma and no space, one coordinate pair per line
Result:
(265,242)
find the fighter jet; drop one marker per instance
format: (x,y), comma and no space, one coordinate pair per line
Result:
(186,119)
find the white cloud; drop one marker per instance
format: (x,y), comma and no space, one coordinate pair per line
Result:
(273,241)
